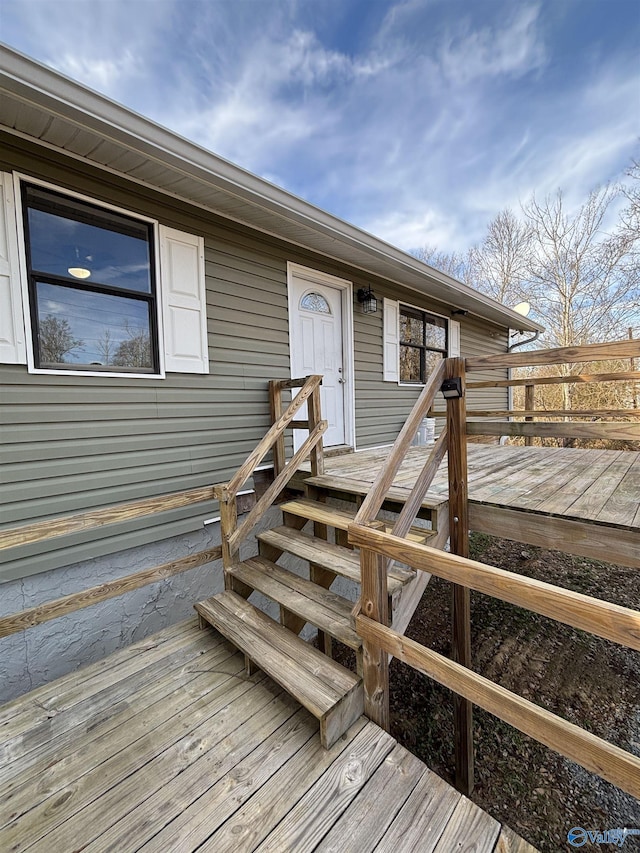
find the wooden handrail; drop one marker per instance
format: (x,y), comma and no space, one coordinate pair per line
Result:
(89,520)
(610,621)
(547,413)
(375,498)
(574,379)
(277,486)
(424,479)
(559,355)
(618,431)
(87,597)
(597,755)
(264,446)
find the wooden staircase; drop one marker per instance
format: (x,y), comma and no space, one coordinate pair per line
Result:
(314,532)
(333,694)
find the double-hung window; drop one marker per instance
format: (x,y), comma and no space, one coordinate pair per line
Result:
(423,343)
(92,288)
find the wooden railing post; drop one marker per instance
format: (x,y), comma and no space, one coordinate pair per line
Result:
(529,405)
(375,605)
(459,543)
(275,406)
(314,410)
(228,524)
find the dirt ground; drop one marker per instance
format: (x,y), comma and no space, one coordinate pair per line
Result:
(588,681)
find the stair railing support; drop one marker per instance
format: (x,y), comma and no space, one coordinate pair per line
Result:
(374,601)
(459,544)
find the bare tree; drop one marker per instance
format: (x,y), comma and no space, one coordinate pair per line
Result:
(105,347)
(56,340)
(584,287)
(135,351)
(500,266)
(452,263)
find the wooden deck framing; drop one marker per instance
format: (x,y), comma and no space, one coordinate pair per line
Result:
(585,502)
(168,745)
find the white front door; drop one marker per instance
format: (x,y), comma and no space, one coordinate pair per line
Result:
(317,346)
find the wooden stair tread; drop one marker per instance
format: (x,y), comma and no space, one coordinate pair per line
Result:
(335,558)
(321,607)
(355,486)
(333,694)
(342,518)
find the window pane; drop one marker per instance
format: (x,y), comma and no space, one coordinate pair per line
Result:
(410,364)
(436,332)
(431,362)
(70,239)
(83,329)
(411,328)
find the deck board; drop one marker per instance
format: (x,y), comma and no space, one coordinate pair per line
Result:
(597,492)
(204,757)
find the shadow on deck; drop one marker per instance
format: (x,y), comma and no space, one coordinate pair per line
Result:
(167,745)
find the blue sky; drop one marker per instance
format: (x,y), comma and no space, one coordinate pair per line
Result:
(417,120)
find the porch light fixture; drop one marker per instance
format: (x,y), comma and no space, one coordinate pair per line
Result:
(368,300)
(79,272)
(452,388)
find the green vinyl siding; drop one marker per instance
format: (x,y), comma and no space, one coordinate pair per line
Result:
(75,443)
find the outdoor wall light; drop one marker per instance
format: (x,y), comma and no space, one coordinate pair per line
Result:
(451,388)
(368,300)
(462,312)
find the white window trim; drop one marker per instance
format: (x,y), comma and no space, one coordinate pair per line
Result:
(17,178)
(448,320)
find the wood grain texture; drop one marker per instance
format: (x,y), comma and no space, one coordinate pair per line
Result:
(559,355)
(276,487)
(611,544)
(374,603)
(94,595)
(99,517)
(596,755)
(260,451)
(619,431)
(628,376)
(611,621)
(469,822)
(374,499)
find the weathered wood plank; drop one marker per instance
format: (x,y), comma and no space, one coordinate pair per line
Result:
(374,603)
(321,607)
(39,748)
(187,808)
(611,621)
(619,431)
(469,822)
(364,823)
(628,376)
(559,355)
(53,807)
(509,842)
(257,455)
(374,499)
(597,755)
(600,542)
(59,696)
(99,517)
(322,804)
(94,595)
(276,487)
(423,818)
(263,812)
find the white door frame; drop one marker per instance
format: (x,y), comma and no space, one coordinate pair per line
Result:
(346,291)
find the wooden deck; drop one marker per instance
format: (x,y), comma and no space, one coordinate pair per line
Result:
(584,501)
(168,746)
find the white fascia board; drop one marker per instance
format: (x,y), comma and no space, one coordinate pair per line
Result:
(63,97)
